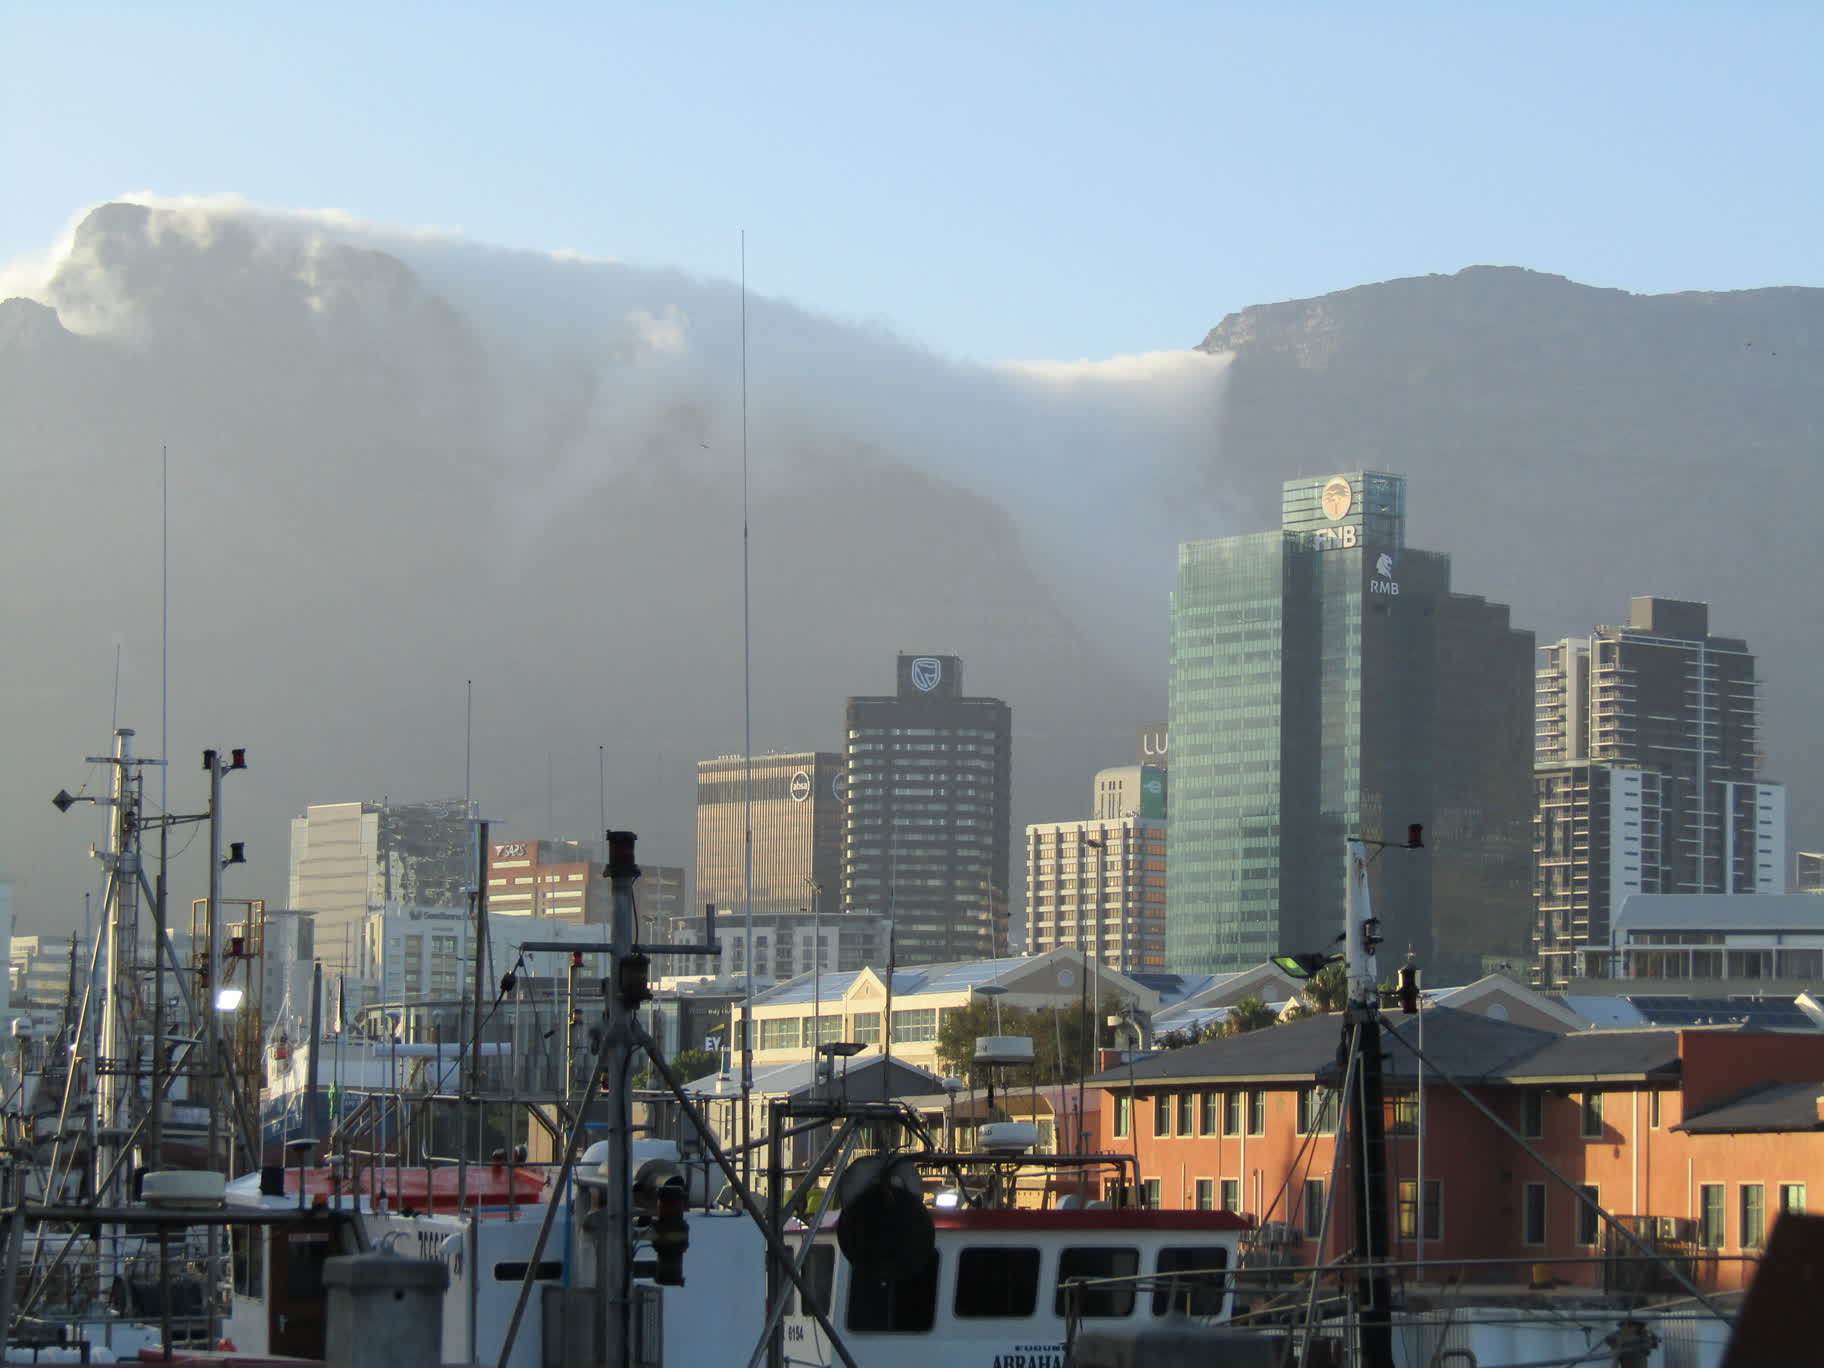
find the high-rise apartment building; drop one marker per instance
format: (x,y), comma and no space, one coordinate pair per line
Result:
(928,792)
(1098,886)
(1647,779)
(349,859)
(1326,683)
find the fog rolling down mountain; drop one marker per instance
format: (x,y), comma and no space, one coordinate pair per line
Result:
(401,463)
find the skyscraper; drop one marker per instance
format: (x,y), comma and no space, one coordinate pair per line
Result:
(797,819)
(1647,778)
(1327,683)
(929,787)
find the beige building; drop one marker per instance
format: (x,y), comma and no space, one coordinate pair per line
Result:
(1098,886)
(792,1019)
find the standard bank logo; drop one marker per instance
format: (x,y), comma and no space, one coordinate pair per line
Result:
(926,673)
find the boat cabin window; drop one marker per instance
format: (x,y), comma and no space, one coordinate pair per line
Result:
(997,1282)
(894,1305)
(1198,1293)
(1094,1262)
(515,1271)
(819,1270)
(248,1246)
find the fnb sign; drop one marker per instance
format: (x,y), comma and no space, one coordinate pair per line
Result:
(1342,538)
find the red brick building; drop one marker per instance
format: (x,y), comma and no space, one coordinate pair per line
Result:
(1696,1137)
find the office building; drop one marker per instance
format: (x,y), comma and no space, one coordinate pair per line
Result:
(1808,872)
(1326,683)
(797,823)
(928,793)
(350,859)
(1647,779)
(568,880)
(1131,791)
(791,943)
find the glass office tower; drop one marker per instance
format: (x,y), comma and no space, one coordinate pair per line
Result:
(1326,683)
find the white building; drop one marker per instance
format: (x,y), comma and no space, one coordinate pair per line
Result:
(1735,942)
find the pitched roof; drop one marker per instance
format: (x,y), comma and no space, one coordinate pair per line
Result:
(1767,1107)
(1465,1045)
(1591,1056)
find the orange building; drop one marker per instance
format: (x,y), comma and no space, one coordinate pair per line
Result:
(1694,1138)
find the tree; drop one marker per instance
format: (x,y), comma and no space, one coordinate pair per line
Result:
(689,1065)
(1328,989)
(1063,1041)
(1250,1014)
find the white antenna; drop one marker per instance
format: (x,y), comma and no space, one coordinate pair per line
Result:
(747,751)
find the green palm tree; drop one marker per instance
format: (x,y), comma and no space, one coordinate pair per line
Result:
(1250,1014)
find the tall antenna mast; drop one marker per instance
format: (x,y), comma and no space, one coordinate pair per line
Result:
(747,773)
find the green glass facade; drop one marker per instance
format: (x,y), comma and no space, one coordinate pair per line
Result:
(1326,683)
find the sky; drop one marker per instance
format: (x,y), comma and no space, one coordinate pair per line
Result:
(1006,181)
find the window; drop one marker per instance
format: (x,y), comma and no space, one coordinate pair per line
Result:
(819,1273)
(1316,1111)
(1589,1222)
(1754,1215)
(1196,1292)
(997,1283)
(915,1024)
(895,1305)
(1792,1197)
(1187,1113)
(1434,1209)
(1124,1117)
(1314,1207)
(1590,1116)
(1206,1121)
(1162,1113)
(1403,1114)
(867,1028)
(1206,1194)
(1231,1113)
(1532,1214)
(1710,1231)
(1151,1189)
(1653,1109)
(1257,1113)
(779,1033)
(1091,1264)
(1532,1115)
(1231,1194)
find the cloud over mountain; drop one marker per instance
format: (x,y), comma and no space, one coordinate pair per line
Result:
(400,461)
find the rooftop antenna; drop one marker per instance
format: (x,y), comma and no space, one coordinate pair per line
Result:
(601,785)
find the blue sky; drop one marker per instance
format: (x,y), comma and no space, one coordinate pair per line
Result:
(1013,180)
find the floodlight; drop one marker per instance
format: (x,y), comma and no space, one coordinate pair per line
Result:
(229,999)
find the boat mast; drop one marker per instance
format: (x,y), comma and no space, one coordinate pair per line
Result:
(1367,1121)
